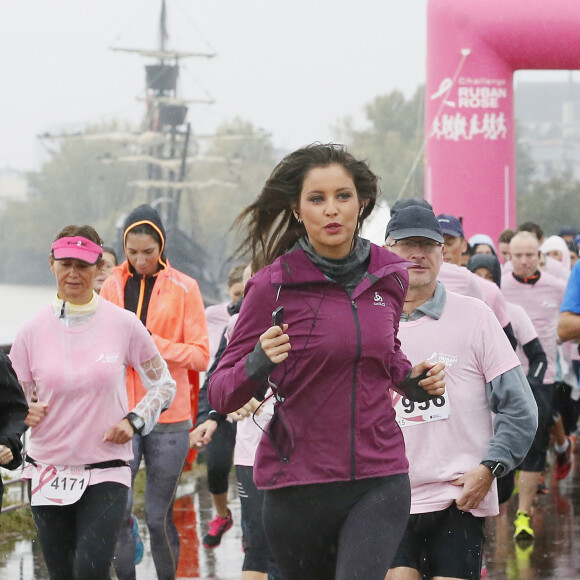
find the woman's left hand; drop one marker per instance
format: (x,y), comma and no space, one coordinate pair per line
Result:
(434,383)
(119,433)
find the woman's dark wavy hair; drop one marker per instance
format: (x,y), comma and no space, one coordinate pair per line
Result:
(272,228)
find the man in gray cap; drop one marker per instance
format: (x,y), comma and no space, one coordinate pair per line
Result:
(455,452)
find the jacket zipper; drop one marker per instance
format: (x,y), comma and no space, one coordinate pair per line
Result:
(354,309)
(399,281)
(141,298)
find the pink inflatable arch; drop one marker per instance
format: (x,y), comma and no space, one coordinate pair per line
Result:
(473,49)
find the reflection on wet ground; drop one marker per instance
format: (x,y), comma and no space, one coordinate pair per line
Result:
(555,554)
(193,511)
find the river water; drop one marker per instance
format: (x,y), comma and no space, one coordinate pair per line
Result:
(19,304)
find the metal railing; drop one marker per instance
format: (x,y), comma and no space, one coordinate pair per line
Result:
(23,495)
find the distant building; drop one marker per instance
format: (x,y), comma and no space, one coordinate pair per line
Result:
(13,185)
(548,117)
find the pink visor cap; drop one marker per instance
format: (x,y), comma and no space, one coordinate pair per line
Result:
(76,248)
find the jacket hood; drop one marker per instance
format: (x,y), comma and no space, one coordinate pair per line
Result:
(486,261)
(145,215)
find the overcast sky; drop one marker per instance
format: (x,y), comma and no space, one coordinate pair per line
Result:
(291,68)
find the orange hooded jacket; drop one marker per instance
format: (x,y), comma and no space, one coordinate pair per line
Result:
(176,321)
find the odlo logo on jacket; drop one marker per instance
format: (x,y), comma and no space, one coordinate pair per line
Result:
(378,300)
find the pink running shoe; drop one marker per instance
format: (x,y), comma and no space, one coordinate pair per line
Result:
(217,528)
(563,462)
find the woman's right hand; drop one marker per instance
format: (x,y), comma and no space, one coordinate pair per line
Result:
(276,343)
(36,413)
(202,434)
(253,406)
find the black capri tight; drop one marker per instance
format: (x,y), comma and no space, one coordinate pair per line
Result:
(535,460)
(341,530)
(78,540)
(220,457)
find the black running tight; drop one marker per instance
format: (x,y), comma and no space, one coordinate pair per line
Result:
(78,540)
(341,530)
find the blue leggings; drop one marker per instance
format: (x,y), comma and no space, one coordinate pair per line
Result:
(78,540)
(164,455)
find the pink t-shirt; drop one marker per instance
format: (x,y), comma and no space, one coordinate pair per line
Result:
(475,349)
(494,299)
(217,317)
(80,372)
(542,302)
(522,325)
(460,280)
(463,281)
(249,432)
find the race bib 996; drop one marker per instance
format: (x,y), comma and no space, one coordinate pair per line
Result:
(411,413)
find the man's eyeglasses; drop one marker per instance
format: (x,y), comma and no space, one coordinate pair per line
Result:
(426,246)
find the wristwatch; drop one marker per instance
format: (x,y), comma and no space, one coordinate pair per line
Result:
(136,422)
(497,469)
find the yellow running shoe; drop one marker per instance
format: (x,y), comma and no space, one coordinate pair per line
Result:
(523,529)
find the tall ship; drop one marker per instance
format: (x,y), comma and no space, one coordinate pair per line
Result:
(164,147)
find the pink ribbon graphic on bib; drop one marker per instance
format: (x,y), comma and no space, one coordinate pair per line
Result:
(46,476)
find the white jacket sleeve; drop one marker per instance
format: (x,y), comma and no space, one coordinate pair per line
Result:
(161,389)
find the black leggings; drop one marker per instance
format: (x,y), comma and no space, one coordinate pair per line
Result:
(78,540)
(341,530)
(220,457)
(257,555)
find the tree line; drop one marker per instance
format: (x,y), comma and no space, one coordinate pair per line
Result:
(79,184)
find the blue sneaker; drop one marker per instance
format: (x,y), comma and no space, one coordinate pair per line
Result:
(138,541)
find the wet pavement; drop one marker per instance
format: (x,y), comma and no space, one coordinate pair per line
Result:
(555,554)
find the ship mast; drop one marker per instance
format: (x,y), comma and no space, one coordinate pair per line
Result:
(167,157)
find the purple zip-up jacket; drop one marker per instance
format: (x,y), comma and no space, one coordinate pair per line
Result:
(333,419)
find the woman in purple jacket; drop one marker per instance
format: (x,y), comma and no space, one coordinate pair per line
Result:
(332,460)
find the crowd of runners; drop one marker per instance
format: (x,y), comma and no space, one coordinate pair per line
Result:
(378,400)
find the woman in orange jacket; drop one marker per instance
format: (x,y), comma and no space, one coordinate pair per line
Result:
(169,304)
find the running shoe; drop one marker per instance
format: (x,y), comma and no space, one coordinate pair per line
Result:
(138,541)
(523,529)
(217,528)
(563,463)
